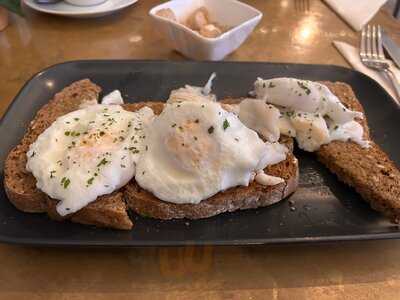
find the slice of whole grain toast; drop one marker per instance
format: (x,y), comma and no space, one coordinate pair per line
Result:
(20,185)
(368,170)
(241,197)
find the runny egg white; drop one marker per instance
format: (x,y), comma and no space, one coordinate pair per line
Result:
(88,153)
(196,149)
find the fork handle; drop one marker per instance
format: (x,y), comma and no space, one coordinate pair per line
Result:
(395,83)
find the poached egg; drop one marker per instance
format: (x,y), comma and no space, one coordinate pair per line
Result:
(88,153)
(197,149)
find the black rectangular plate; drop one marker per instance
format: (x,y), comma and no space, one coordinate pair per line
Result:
(326,210)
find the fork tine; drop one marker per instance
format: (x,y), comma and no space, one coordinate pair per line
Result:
(368,42)
(362,43)
(380,48)
(374,41)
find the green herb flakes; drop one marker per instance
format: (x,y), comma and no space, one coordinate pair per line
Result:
(65,182)
(226,124)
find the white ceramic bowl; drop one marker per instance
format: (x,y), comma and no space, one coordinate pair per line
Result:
(240,17)
(85,2)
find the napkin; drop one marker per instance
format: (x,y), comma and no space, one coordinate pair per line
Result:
(351,54)
(356,13)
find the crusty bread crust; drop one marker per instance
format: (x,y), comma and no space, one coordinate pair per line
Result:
(368,170)
(236,198)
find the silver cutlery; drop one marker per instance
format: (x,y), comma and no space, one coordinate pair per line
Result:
(372,56)
(391,47)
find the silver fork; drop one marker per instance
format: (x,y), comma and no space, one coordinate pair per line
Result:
(371,53)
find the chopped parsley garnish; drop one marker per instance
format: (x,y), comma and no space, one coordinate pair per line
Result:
(65,182)
(173,125)
(67,133)
(90,180)
(271,85)
(226,124)
(76,119)
(304,87)
(102,162)
(211,129)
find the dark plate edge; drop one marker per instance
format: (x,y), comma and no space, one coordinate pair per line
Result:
(243,242)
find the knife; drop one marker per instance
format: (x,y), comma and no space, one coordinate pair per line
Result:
(391,47)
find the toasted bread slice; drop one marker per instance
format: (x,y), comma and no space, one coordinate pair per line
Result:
(236,198)
(110,210)
(20,185)
(368,170)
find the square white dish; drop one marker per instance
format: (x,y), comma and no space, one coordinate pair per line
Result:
(239,17)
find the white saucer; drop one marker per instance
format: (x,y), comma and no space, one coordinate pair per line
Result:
(68,10)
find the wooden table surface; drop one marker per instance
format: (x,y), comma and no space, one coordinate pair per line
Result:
(287,33)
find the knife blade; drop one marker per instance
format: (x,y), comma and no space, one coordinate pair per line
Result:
(392,48)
